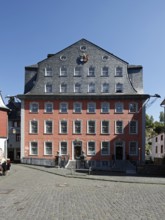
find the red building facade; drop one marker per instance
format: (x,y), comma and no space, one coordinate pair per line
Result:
(73,105)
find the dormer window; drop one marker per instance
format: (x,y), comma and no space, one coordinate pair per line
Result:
(105,87)
(63,88)
(48,88)
(63,71)
(119,71)
(77,87)
(104,71)
(77,71)
(91,88)
(119,88)
(48,71)
(91,71)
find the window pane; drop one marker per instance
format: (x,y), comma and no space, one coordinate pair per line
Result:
(91,148)
(34,107)
(48,148)
(34,127)
(63,147)
(105,107)
(91,127)
(48,107)
(48,127)
(34,148)
(105,148)
(77,107)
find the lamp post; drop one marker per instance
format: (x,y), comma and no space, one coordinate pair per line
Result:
(163,105)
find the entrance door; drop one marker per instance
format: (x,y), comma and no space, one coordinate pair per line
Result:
(77,149)
(119,153)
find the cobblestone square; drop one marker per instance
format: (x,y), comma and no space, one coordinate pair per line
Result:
(33,194)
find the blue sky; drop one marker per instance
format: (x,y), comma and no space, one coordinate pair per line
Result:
(132,30)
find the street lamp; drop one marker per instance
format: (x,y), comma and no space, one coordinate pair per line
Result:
(163,105)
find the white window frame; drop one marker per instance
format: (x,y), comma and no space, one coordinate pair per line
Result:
(135,143)
(119,107)
(108,150)
(46,127)
(89,151)
(66,127)
(119,71)
(48,71)
(48,148)
(133,128)
(66,146)
(31,131)
(77,88)
(48,107)
(91,125)
(119,128)
(91,71)
(107,127)
(91,87)
(91,107)
(63,71)
(75,128)
(31,150)
(119,88)
(63,88)
(105,106)
(48,87)
(133,107)
(64,107)
(105,71)
(77,71)
(34,107)
(105,88)
(77,107)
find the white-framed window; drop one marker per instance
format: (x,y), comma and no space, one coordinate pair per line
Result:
(133,107)
(91,148)
(104,71)
(91,87)
(105,127)
(48,126)
(91,107)
(133,127)
(63,148)
(63,127)
(119,127)
(48,88)
(105,106)
(63,71)
(119,71)
(63,107)
(48,71)
(105,148)
(91,127)
(77,87)
(34,107)
(33,127)
(77,127)
(119,107)
(91,71)
(48,148)
(33,148)
(48,107)
(119,88)
(105,88)
(77,107)
(77,71)
(63,88)
(133,148)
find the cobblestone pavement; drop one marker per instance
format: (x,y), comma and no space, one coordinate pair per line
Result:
(31,194)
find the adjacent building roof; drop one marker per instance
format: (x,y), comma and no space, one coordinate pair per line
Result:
(2,104)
